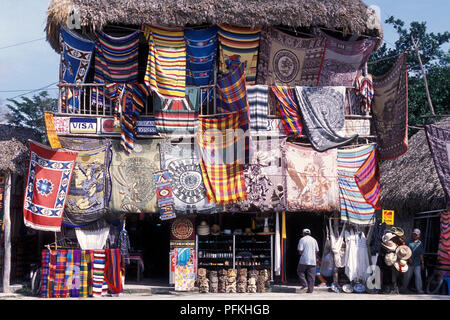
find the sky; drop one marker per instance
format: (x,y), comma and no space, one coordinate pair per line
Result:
(35,64)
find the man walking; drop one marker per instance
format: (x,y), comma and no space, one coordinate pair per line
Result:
(415,263)
(308,250)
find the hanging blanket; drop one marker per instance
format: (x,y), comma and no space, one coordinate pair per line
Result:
(52,273)
(75,292)
(288,60)
(311,179)
(287,106)
(68,275)
(364,91)
(166,65)
(133,185)
(177,116)
(113,269)
(84,273)
(354,207)
(343,59)
(444,242)
(60,271)
(201,51)
(439,143)
(90,188)
(50,129)
(258,107)
(164,195)
(181,161)
(75,57)
(98,268)
(368,180)
(265,178)
(49,176)
(45,264)
(221,166)
(239,45)
(390,111)
(323,114)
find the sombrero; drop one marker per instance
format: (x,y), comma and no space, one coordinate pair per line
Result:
(401,266)
(390,258)
(403,252)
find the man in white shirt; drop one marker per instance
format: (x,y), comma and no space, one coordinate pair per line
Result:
(308,250)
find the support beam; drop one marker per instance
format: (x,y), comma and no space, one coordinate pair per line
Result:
(7,235)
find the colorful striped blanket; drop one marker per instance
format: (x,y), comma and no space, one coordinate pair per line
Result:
(289,111)
(368,180)
(444,242)
(60,290)
(258,103)
(84,273)
(98,272)
(166,66)
(45,268)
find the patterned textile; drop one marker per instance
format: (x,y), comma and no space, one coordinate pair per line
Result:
(166,65)
(75,57)
(368,180)
(265,179)
(51,131)
(311,179)
(364,90)
(113,268)
(52,273)
(323,115)
(98,267)
(133,186)
(361,127)
(184,270)
(61,259)
(69,273)
(343,59)
(444,242)
(164,195)
(354,208)
(239,45)
(92,239)
(177,116)
(49,176)
(439,143)
(287,106)
(75,292)
(288,60)
(258,107)
(90,187)
(201,51)
(84,274)
(390,111)
(45,262)
(221,166)
(181,161)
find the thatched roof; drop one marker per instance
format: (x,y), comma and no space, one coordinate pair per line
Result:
(409,184)
(351,16)
(14,148)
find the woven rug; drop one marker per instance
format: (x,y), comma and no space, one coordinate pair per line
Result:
(368,180)
(49,176)
(289,111)
(164,195)
(390,111)
(288,60)
(258,103)
(444,242)
(311,179)
(166,65)
(239,45)
(323,115)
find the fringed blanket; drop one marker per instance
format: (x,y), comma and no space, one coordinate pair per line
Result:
(201,52)
(133,186)
(288,60)
(323,114)
(311,179)
(49,176)
(258,103)
(166,65)
(439,143)
(368,180)
(444,242)
(181,161)
(164,195)
(390,111)
(289,111)
(354,207)
(239,45)
(343,59)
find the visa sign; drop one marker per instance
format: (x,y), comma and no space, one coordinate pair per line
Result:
(83,125)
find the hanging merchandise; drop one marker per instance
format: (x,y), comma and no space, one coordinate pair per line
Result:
(48,180)
(258,103)
(390,110)
(311,179)
(277,254)
(323,114)
(336,242)
(164,195)
(289,111)
(90,239)
(184,269)
(288,60)
(356,256)
(239,45)
(50,129)
(166,65)
(113,270)
(367,178)
(364,91)
(283,248)
(444,241)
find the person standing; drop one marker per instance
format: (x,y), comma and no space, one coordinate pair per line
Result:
(306,270)
(415,263)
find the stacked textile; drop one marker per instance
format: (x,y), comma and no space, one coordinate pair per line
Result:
(258,103)
(239,45)
(444,242)
(166,66)
(289,111)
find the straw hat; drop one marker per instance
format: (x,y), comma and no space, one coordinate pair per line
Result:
(215,230)
(401,265)
(387,236)
(203,229)
(390,245)
(390,258)
(403,252)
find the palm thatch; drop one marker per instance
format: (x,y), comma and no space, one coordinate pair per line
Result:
(14,148)
(352,16)
(410,183)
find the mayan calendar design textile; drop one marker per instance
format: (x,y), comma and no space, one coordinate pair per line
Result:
(90,188)
(354,207)
(75,57)
(166,65)
(133,185)
(289,60)
(239,45)
(164,195)
(289,111)
(182,229)
(201,52)
(323,115)
(181,161)
(258,102)
(439,143)
(390,111)
(265,178)
(49,177)
(444,242)
(311,179)
(368,179)
(343,59)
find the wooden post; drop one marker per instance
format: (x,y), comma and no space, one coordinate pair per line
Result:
(7,235)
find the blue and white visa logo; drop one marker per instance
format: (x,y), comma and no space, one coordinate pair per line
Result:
(83,125)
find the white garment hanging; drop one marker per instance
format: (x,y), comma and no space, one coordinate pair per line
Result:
(336,245)
(92,239)
(351,255)
(363,257)
(277,265)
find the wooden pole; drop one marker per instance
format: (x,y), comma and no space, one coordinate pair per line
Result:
(7,221)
